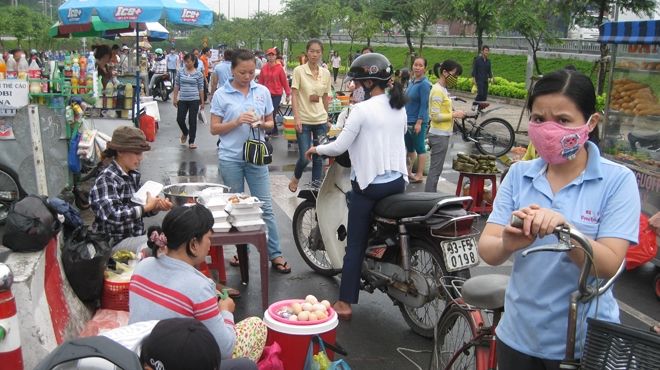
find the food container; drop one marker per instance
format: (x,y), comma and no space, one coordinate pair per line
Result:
(188,192)
(221,227)
(249,225)
(220,216)
(246,214)
(248,203)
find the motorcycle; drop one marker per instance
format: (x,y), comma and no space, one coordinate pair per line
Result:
(416,241)
(162,87)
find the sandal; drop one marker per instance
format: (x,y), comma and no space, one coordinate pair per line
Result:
(234,261)
(192,146)
(282,268)
(293,186)
(233,293)
(415,181)
(183,139)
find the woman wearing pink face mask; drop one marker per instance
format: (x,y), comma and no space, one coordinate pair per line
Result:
(569,183)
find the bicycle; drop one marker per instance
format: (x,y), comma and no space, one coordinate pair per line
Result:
(10,191)
(494,136)
(463,338)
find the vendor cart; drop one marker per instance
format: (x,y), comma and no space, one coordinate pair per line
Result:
(631,131)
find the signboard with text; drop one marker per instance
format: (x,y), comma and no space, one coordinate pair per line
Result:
(13,95)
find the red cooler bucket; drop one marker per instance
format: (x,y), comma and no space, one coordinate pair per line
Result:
(294,339)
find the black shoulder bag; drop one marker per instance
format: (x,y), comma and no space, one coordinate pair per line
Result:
(257,151)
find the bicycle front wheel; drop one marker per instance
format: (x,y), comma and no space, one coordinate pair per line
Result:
(452,349)
(494,136)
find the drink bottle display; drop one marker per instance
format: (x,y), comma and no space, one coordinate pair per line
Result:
(128,96)
(12,68)
(22,68)
(3,69)
(34,76)
(75,68)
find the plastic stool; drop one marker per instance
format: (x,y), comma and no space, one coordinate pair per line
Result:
(477,182)
(218,262)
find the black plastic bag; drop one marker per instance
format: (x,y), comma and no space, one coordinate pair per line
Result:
(31,223)
(100,346)
(84,258)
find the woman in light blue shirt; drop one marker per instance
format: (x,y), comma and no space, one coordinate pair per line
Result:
(569,184)
(237,107)
(187,98)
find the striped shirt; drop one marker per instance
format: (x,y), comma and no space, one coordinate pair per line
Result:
(165,287)
(189,84)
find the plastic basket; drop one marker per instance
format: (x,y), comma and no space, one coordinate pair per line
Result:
(115,295)
(614,346)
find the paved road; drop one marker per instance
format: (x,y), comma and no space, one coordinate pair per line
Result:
(377,329)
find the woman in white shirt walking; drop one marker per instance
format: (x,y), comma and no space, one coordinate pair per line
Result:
(373,136)
(335,59)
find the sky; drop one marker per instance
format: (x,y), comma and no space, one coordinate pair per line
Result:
(240,8)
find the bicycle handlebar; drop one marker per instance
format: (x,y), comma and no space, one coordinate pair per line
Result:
(565,234)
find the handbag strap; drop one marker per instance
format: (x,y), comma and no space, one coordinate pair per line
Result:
(323,344)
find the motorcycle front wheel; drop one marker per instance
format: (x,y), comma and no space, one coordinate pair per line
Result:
(307,237)
(425,259)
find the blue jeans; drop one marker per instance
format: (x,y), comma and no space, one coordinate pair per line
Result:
(362,202)
(234,175)
(304,143)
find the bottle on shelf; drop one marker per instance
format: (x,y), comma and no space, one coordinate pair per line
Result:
(91,63)
(34,76)
(23,68)
(128,96)
(3,69)
(75,68)
(12,68)
(74,84)
(67,66)
(107,95)
(56,81)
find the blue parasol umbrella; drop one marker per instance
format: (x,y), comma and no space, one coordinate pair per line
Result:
(190,12)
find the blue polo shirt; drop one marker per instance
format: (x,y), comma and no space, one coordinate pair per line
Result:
(223,71)
(229,103)
(417,106)
(603,202)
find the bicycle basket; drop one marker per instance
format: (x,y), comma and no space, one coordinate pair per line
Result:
(614,346)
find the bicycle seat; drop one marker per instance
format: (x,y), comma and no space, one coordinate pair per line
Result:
(409,204)
(485,291)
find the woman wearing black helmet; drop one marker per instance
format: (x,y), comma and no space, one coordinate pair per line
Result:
(373,136)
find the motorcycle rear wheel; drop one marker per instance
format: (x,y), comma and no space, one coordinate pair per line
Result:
(425,259)
(164,95)
(308,240)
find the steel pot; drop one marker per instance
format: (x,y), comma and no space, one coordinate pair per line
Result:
(188,192)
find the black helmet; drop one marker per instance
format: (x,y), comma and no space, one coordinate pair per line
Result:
(372,66)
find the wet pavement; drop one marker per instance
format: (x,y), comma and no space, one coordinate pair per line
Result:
(377,329)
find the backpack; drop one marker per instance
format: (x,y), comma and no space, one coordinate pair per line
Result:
(30,224)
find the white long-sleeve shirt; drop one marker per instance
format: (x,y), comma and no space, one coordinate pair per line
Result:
(373,135)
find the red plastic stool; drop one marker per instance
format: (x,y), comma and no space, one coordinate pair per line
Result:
(477,182)
(218,262)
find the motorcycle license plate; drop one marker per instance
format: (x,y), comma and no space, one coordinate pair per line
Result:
(167,83)
(460,254)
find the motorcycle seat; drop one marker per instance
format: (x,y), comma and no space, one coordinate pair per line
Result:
(485,291)
(408,204)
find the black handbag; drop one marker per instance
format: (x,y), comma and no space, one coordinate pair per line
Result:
(257,151)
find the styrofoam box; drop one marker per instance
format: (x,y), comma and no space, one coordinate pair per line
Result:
(245,218)
(220,216)
(249,225)
(221,227)
(255,210)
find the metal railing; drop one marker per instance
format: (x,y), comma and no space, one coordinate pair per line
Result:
(508,42)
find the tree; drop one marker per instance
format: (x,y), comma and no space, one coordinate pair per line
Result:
(484,14)
(428,12)
(402,13)
(603,7)
(531,18)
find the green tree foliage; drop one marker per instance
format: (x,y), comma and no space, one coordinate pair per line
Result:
(483,14)
(530,18)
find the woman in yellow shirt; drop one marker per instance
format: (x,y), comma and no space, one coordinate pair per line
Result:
(310,88)
(442,116)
